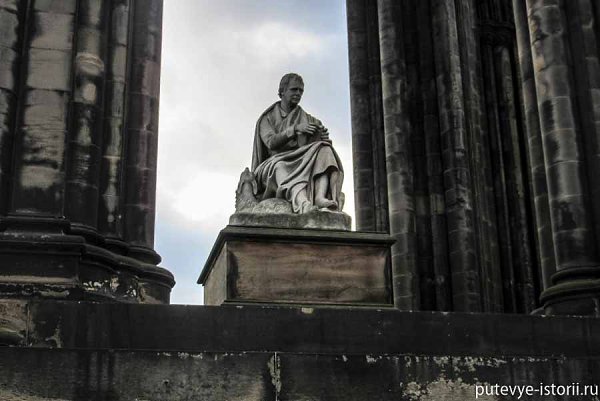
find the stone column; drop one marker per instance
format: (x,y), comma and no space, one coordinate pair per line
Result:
(142,130)
(539,187)
(563,52)
(12,14)
(360,102)
(110,211)
(370,185)
(498,239)
(398,152)
(86,118)
(457,178)
(433,155)
(62,150)
(39,156)
(416,41)
(514,286)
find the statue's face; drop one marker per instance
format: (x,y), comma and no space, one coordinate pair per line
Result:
(293,93)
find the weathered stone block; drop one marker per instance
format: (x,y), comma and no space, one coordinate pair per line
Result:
(13,322)
(284,217)
(269,265)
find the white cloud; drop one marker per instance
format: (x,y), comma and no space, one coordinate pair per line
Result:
(275,43)
(207,199)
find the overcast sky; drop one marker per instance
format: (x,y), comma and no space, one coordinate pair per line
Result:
(221,65)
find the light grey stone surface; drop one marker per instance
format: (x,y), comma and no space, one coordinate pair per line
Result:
(277,213)
(296,175)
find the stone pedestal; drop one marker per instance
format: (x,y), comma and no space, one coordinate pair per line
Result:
(275,265)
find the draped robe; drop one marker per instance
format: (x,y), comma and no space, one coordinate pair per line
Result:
(283,166)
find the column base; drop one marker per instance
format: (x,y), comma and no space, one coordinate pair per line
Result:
(577,297)
(60,266)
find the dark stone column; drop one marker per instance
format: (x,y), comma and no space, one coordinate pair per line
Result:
(39,167)
(414,99)
(457,179)
(433,156)
(535,151)
(522,259)
(514,286)
(575,284)
(11,19)
(61,232)
(583,17)
(472,102)
(110,221)
(142,130)
(361,123)
(380,187)
(398,150)
(370,186)
(459,193)
(86,118)
(498,240)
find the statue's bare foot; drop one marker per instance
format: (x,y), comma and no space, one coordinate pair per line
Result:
(307,207)
(326,203)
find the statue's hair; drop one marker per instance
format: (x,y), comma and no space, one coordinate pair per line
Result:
(285,81)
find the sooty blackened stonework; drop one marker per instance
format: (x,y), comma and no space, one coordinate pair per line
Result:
(114,352)
(475,144)
(480,120)
(79,87)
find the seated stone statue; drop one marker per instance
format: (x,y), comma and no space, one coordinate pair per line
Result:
(293,158)
(293,161)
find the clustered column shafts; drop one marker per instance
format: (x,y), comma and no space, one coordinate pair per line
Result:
(539,187)
(425,268)
(457,176)
(79,96)
(509,171)
(477,106)
(367,119)
(498,244)
(505,106)
(433,160)
(524,280)
(458,189)
(360,99)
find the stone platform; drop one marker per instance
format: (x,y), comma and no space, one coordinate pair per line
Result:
(275,265)
(81,351)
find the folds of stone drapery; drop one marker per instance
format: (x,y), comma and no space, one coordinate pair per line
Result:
(457,161)
(78,131)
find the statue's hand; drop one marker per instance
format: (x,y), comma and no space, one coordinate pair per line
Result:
(306,128)
(325,135)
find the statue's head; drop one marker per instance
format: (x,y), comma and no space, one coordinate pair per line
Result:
(287,79)
(291,88)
